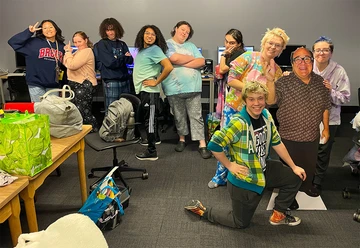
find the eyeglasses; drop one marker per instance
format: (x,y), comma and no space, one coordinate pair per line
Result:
(325,50)
(150,34)
(276,45)
(306,59)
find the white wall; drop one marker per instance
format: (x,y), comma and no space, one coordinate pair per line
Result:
(304,21)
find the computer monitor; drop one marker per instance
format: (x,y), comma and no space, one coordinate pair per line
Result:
(284,59)
(221,49)
(133,51)
(20,61)
(74,49)
(200,49)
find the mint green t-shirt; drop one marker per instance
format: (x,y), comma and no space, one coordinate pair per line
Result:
(147,66)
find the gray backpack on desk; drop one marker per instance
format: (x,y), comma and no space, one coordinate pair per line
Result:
(114,123)
(65,118)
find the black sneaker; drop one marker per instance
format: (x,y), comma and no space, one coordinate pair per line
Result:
(147,156)
(146,143)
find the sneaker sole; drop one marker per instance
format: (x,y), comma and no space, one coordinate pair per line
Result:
(156,143)
(149,159)
(198,205)
(282,223)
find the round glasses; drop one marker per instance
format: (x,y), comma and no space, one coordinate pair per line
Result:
(306,59)
(325,50)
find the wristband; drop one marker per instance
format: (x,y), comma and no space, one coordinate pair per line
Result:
(224,55)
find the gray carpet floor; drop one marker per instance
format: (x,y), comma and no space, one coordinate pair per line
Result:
(156,215)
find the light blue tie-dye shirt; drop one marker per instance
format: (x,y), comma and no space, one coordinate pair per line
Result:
(182,79)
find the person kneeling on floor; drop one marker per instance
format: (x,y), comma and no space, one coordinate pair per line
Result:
(249,135)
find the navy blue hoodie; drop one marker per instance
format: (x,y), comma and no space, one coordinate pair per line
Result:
(40,61)
(111,55)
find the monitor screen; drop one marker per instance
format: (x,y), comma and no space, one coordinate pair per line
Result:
(200,49)
(284,58)
(221,49)
(133,51)
(20,60)
(74,49)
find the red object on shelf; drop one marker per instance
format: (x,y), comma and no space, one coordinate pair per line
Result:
(20,106)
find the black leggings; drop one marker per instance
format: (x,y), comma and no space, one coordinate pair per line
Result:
(83,101)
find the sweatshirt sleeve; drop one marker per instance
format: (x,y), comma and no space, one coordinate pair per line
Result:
(106,56)
(230,134)
(74,62)
(19,41)
(127,59)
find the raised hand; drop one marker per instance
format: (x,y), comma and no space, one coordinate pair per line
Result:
(269,70)
(68,47)
(34,28)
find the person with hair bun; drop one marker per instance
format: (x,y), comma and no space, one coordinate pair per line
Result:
(81,75)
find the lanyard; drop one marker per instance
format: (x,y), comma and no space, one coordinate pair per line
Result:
(56,56)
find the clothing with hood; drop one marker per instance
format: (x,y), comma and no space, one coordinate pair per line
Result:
(340,89)
(40,58)
(239,136)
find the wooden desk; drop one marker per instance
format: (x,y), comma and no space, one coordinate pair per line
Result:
(210,80)
(10,206)
(61,150)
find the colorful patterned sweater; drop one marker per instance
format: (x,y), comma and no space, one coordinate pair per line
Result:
(239,136)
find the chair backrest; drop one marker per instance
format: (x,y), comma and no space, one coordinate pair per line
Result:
(18,89)
(136,103)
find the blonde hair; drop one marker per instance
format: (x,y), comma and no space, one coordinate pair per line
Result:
(254,87)
(278,32)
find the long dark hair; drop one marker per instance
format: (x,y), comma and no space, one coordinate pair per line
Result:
(180,23)
(58,35)
(111,24)
(237,35)
(160,40)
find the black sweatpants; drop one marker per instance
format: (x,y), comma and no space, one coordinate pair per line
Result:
(150,103)
(245,202)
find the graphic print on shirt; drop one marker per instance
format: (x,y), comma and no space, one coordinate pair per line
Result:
(49,54)
(260,133)
(117,52)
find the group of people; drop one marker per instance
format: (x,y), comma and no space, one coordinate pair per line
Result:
(308,101)
(173,64)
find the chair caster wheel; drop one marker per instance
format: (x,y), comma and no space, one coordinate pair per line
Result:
(145,175)
(346,194)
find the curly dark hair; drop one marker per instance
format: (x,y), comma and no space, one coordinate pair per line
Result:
(111,24)
(58,36)
(180,23)
(160,40)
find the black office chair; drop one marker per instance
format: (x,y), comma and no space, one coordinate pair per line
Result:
(18,89)
(98,144)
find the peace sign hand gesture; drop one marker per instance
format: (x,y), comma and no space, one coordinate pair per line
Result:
(34,28)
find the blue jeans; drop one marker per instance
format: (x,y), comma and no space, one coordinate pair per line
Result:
(113,89)
(37,91)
